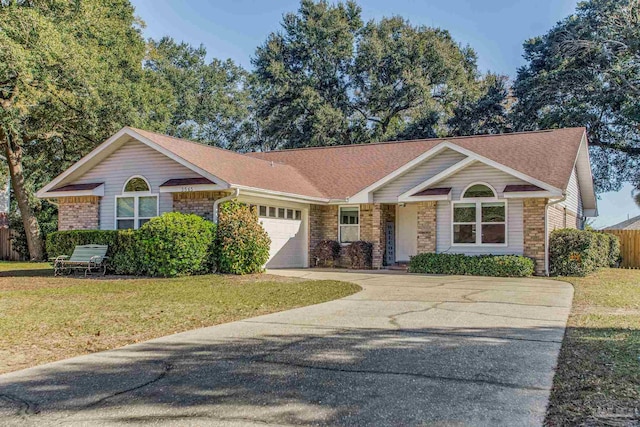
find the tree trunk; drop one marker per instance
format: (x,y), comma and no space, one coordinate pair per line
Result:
(31,228)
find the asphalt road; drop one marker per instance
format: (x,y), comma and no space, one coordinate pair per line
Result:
(407,350)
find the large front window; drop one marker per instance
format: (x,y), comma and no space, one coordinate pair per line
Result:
(349,228)
(136,205)
(479,219)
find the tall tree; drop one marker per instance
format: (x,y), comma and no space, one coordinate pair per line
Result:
(70,74)
(404,73)
(328,78)
(484,113)
(210,100)
(304,73)
(586,72)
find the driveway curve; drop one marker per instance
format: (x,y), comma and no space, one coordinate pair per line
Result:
(406,350)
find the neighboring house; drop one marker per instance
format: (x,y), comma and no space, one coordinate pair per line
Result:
(497,194)
(630,224)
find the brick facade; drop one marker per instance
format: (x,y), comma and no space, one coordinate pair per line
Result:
(79,213)
(197,202)
(323,225)
(427,227)
(534,231)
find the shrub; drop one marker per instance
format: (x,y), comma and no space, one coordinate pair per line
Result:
(359,254)
(242,245)
(326,252)
(174,244)
(614,250)
(580,252)
(64,242)
(480,265)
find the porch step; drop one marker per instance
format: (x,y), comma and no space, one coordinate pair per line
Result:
(399,266)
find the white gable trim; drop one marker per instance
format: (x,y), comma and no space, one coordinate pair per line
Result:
(103,148)
(366,195)
(582,166)
(406,196)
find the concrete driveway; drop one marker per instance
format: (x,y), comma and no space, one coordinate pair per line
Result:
(407,350)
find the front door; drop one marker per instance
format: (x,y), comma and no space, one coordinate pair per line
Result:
(407,234)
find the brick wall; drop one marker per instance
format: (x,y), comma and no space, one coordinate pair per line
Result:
(79,213)
(197,202)
(372,230)
(426,227)
(534,232)
(323,225)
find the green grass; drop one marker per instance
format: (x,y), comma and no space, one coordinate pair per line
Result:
(598,376)
(45,318)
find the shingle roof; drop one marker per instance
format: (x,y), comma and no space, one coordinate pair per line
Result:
(236,168)
(630,224)
(79,187)
(519,188)
(441,191)
(176,182)
(343,171)
(339,172)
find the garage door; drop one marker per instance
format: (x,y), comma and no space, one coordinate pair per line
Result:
(287,228)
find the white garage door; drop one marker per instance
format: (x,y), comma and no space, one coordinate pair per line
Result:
(286,223)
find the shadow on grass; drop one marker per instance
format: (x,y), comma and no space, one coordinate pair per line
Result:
(285,374)
(44,272)
(598,378)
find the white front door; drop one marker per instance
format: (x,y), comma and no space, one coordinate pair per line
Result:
(407,231)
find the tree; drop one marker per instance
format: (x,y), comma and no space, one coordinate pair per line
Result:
(404,74)
(586,72)
(483,114)
(210,100)
(328,78)
(70,75)
(304,74)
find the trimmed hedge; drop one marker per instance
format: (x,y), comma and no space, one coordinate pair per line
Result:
(169,245)
(360,255)
(242,245)
(480,265)
(175,244)
(581,252)
(326,252)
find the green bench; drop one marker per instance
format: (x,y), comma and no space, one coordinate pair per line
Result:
(87,258)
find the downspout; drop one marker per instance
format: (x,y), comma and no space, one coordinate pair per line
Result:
(216,203)
(546,231)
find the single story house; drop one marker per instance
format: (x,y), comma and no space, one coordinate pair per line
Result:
(490,194)
(629,224)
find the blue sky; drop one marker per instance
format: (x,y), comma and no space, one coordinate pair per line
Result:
(494,28)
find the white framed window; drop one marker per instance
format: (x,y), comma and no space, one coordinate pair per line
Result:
(348,224)
(136,205)
(479,219)
(278,212)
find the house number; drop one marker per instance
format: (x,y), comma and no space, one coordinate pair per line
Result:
(187,189)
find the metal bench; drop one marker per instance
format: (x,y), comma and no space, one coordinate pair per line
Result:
(90,258)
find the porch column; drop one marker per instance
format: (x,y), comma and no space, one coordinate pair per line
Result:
(426,227)
(534,238)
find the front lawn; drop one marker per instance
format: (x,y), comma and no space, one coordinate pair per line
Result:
(45,318)
(598,376)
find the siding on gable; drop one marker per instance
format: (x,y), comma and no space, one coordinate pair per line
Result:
(390,192)
(573,202)
(479,172)
(133,158)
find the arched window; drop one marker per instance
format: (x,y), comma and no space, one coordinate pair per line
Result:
(136,205)
(479,218)
(478,190)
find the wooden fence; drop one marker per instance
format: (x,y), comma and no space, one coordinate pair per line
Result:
(629,247)
(7,253)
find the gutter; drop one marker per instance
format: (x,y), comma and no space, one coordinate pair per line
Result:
(546,231)
(216,204)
